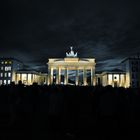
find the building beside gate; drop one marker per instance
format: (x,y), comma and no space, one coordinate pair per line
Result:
(115,78)
(8,68)
(131,66)
(28,77)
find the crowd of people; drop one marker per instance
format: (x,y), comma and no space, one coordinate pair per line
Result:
(68,112)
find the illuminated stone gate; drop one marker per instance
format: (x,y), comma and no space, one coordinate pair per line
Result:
(71,62)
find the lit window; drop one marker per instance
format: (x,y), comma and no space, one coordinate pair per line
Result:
(1,68)
(8,68)
(2,62)
(0,82)
(9,82)
(5,62)
(4,82)
(9,74)
(10,62)
(5,75)
(1,74)
(24,77)
(110,79)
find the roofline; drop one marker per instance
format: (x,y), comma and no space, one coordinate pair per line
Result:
(30,71)
(130,58)
(10,58)
(114,72)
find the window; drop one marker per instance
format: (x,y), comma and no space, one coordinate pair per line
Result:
(10,62)
(8,68)
(5,82)
(0,82)
(1,74)
(18,66)
(9,74)
(133,75)
(133,69)
(9,82)
(5,62)
(133,83)
(1,68)
(5,74)
(2,62)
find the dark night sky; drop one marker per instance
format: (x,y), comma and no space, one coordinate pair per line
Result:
(35,31)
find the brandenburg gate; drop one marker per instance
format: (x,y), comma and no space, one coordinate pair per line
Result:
(71,62)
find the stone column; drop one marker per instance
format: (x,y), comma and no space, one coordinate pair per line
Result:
(66,76)
(27,78)
(92,77)
(107,79)
(16,79)
(51,76)
(119,80)
(84,77)
(112,80)
(32,78)
(91,74)
(20,77)
(77,76)
(125,83)
(59,76)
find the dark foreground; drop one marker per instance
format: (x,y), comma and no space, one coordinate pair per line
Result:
(67,112)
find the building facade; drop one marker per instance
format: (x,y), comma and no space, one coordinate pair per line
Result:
(131,66)
(59,72)
(71,62)
(8,68)
(115,78)
(28,77)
